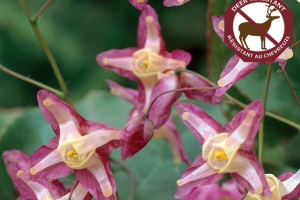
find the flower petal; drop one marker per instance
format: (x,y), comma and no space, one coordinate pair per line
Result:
(188,80)
(250,174)
(218,24)
(235,70)
(200,124)
(89,181)
(64,112)
(169,132)
(161,108)
(139,4)
(240,118)
(119,61)
(187,188)
(169,3)
(149,35)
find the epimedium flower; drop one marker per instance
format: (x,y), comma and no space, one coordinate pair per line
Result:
(141,4)
(29,189)
(285,187)
(237,69)
(154,69)
(80,146)
(227,191)
(149,63)
(224,150)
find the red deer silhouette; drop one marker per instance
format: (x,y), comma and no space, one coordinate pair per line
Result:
(247,28)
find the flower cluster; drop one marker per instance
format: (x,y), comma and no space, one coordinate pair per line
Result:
(82,147)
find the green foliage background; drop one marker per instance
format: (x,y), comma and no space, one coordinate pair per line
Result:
(77,31)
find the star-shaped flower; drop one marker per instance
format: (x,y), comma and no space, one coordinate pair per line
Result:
(224,150)
(80,146)
(237,69)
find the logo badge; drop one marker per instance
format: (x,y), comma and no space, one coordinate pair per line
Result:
(258,30)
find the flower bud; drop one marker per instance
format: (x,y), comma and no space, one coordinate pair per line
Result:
(138,132)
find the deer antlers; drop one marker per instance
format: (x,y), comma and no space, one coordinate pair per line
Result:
(268,11)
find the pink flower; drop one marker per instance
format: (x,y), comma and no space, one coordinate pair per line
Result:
(237,69)
(227,190)
(286,187)
(150,64)
(29,188)
(141,4)
(153,67)
(80,146)
(224,150)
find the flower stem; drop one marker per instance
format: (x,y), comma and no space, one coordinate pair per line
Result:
(295,44)
(72,190)
(176,90)
(47,51)
(131,176)
(291,87)
(29,80)
(262,120)
(41,11)
(269,114)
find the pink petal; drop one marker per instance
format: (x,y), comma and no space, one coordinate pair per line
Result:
(107,148)
(242,183)
(127,94)
(138,132)
(118,54)
(178,55)
(169,3)
(49,117)
(230,187)
(209,121)
(175,142)
(16,156)
(188,80)
(150,37)
(296,192)
(137,5)
(238,119)
(89,182)
(216,24)
(53,172)
(187,188)
(213,191)
(161,109)
(230,66)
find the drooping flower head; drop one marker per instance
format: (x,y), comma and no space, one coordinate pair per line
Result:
(80,146)
(237,69)
(224,150)
(141,4)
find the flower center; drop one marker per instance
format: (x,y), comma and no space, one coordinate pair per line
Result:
(140,1)
(72,154)
(220,156)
